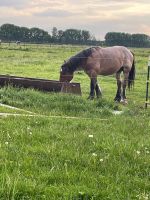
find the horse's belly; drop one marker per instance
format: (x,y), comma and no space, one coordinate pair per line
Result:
(108,70)
(110,67)
(104,73)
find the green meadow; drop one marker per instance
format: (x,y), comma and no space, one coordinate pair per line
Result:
(72,148)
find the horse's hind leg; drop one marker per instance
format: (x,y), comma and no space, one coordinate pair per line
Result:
(98,91)
(118,96)
(126,74)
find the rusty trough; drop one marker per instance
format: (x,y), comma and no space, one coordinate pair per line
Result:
(40,84)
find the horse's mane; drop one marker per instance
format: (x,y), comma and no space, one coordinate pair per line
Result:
(77,60)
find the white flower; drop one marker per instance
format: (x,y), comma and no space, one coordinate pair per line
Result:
(101,160)
(6,143)
(138,152)
(147,152)
(143,196)
(90,136)
(30,133)
(94,154)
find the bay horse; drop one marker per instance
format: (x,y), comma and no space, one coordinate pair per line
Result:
(102,61)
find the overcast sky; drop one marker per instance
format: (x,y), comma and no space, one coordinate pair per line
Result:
(97,16)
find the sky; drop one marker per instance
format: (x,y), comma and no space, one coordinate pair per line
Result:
(97,16)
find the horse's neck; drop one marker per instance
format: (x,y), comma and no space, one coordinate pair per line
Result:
(76,64)
(74,68)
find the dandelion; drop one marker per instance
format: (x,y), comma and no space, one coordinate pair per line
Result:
(90,136)
(94,154)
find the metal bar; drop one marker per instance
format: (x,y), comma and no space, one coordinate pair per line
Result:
(40,84)
(147,85)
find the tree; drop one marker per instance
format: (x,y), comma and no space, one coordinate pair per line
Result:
(54,34)
(9,32)
(60,36)
(140,40)
(37,35)
(126,39)
(71,36)
(25,32)
(85,36)
(75,36)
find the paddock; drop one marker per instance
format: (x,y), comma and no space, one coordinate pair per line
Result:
(63,145)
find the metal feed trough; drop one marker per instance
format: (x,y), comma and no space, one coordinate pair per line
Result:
(41,84)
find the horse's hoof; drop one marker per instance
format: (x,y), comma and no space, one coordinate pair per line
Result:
(116,99)
(99,96)
(124,101)
(90,98)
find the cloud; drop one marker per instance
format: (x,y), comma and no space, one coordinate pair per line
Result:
(97,16)
(55,13)
(13,3)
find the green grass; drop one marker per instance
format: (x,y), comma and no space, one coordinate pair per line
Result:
(96,155)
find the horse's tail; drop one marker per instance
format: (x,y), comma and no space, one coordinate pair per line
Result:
(131,76)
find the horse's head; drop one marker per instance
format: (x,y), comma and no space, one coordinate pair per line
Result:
(66,74)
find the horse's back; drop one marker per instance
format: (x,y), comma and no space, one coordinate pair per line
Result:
(109,60)
(118,51)
(126,55)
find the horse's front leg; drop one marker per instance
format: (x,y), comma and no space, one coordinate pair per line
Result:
(92,88)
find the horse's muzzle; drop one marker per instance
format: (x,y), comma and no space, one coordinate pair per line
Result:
(65,78)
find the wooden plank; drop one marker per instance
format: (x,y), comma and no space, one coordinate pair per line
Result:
(40,84)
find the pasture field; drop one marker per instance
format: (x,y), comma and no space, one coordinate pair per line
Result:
(73,148)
